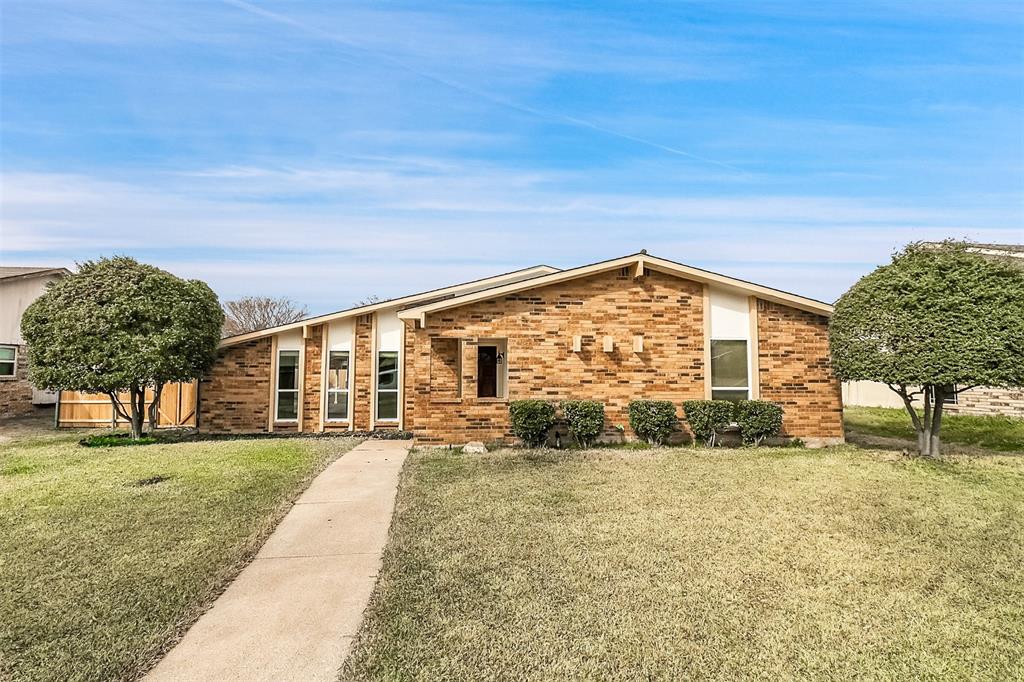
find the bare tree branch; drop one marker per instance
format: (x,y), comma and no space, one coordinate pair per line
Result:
(253,313)
(368,300)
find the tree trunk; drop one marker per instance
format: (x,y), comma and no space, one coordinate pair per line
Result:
(117,410)
(137,397)
(154,407)
(919,428)
(936,425)
(925,435)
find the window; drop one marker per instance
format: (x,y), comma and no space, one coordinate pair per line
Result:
(729,373)
(8,361)
(287,385)
(337,385)
(487,372)
(949,394)
(491,368)
(387,385)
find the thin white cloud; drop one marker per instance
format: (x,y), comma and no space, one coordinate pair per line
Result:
(420,229)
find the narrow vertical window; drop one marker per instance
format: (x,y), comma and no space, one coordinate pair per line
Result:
(487,372)
(387,385)
(287,385)
(337,385)
(8,361)
(730,376)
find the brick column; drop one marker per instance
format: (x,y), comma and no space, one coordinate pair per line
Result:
(363,374)
(313,380)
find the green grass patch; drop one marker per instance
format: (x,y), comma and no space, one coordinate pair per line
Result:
(108,554)
(695,564)
(1005,434)
(115,440)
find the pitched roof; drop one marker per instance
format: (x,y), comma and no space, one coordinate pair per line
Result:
(24,272)
(432,295)
(639,261)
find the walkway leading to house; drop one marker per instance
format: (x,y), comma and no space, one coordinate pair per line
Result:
(291,614)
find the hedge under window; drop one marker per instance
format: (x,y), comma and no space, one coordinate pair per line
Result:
(287,385)
(729,370)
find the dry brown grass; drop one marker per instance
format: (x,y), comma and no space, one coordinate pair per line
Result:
(679,563)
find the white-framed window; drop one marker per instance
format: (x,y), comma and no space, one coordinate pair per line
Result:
(287,408)
(337,385)
(8,362)
(949,394)
(730,369)
(387,385)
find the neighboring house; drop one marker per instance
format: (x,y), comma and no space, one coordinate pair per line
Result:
(445,364)
(981,400)
(19,286)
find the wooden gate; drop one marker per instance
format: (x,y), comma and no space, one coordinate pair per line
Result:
(82,410)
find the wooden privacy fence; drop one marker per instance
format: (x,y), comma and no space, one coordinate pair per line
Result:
(177,407)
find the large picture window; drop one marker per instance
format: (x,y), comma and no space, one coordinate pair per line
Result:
(730,376)
(8,361)
(387,385)
(337,385)
(287,385)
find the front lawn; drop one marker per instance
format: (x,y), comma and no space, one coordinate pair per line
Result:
(107,554)
(695,564)
(992,432)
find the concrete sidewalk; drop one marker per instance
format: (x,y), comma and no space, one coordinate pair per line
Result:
(291,614)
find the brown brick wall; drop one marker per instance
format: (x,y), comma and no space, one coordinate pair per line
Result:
(362,378)
(312,380)
(989,401)
(794,371)
(444,368)
(16,393)
(235,397)
(539,325)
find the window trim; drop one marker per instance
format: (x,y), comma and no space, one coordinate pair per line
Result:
(14,363)
(348,391)
(278,390)
(748,388)
(377,390)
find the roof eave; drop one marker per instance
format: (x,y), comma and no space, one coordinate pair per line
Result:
(373,307)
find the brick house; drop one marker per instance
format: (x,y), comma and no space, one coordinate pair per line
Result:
(19,286)
(444,364)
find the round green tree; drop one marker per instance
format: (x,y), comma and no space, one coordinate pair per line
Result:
(119,326)
(940,318)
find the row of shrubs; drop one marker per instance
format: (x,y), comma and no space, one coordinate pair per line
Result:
(652,420)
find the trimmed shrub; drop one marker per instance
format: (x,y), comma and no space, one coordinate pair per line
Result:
(585,419)
(653,420)
(758,419)
(531,420)
(708,418)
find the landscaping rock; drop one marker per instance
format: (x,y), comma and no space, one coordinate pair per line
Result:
(474,448)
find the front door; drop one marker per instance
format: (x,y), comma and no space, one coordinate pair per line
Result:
(487,372)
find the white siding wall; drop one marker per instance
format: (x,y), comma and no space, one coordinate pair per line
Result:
(339,334)
(389,331)
(730,315)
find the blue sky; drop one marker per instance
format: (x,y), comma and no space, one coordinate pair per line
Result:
(331,150)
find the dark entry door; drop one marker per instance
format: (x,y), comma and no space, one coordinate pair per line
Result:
(487,372)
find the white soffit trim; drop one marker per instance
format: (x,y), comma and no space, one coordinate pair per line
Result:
(650,262)
(515,276)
